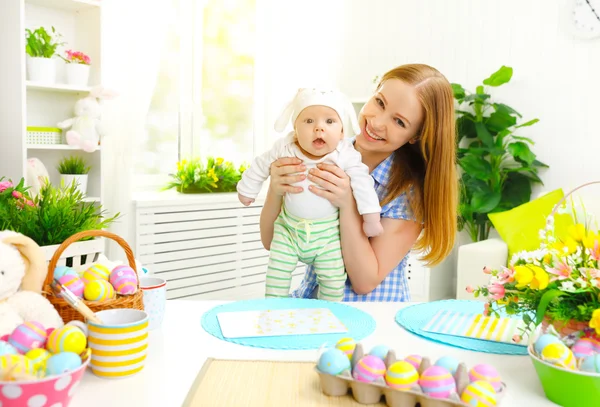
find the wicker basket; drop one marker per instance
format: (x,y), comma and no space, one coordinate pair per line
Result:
(67,313)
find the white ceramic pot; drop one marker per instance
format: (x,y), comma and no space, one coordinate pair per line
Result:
(80,179)
(41,69)
(77,74)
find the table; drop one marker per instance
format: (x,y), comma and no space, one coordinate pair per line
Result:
(178,350)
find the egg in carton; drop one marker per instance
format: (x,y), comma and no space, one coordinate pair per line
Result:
(368,378)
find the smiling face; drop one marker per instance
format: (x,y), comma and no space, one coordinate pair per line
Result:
(319,129)
(391,118)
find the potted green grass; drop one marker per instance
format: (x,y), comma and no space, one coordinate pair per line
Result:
(74,170)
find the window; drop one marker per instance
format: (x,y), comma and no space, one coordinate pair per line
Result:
(204,100)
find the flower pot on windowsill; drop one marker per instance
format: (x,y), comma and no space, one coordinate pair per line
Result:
(77,74)
(41,69)
(80,179)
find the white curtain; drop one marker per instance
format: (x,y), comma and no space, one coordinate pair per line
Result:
(133,32)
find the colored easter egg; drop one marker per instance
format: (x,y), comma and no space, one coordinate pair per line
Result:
(124,280)
(18,363)
(38,358)
(584,347)
(591,364)
(558,354)
(98,290)
(543,341)
(29,335)
(7,349)
(60,271)
(66,339)
(448,362)
(437,382)
(380,351)
(62,362)
(80,325)
(487,373)
(96,272)
(347,346)
(401,375)
(369,369)
(73,284)
(479,394)
(414,360)
(333,361)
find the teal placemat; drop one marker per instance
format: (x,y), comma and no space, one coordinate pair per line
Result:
(359,323)
(415,317)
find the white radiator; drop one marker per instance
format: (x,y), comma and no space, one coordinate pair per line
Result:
(206,246)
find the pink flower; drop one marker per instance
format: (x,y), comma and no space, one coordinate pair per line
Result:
(4,185)
(30,203)
(561,272)
(506,276)
(487,270)
(17,194)
(594,252)
(517,338)
(470,289)
(497,291)
(486,309)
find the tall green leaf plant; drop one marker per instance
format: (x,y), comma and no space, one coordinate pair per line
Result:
(498,166)
(40,43)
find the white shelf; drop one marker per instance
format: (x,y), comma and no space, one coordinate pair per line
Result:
(56,87)
(71,5)
(53,147)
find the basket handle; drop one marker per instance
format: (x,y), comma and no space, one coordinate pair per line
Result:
(90,233)
(569,194)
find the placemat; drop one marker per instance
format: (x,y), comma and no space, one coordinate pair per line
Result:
(415,317)
(293,384)
(359,323)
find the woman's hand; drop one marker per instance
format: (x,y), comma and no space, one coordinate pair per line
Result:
(281,178)
(334,183)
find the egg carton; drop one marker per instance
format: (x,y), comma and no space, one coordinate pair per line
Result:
(371,393)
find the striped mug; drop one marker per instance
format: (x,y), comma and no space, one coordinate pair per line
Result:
(119,345)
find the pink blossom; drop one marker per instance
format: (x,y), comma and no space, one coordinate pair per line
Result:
(470,289)
(4,185)
(486,309)
(17,194)
(561,272)
(487,270)
(30,203)
(517,338)
(506,276)
(497,291)
(595,252)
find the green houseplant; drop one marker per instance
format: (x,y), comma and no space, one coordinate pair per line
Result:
(74,169)
(40,46)
(498,166)
(216,175)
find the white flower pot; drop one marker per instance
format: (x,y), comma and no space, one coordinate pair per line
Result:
(77,74)
(41,69)
(80,179)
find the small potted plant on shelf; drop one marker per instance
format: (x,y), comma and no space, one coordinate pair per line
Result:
(74,170)
(40,47)
(217,175)
(77,67)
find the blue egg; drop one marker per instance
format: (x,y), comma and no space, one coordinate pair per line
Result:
(62,362)
(64,270)
(380,351)
(544,341)
(333,361)
(449,363)
(591,364)
(7,349)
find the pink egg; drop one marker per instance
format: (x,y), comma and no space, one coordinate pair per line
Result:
(584,347)
(27,336)
(368,369)
(437,382)
(124,280)
(414,360)
(72,283)
(487,373)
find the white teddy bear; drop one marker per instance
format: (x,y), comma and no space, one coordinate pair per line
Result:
(86,127)
(22,273)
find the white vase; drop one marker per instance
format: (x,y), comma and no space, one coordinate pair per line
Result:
(77,74)
(41,69)
(80,179)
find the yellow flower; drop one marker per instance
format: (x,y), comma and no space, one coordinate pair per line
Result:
(242,168)
(183,162)
(595,321)
(533,276)
(523,275)
(569,246)
(219,161)
(577,232)
(540,279)
(590,240)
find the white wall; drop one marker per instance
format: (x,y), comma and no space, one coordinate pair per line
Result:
(556,75)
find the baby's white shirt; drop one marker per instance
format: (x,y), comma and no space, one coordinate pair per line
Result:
(305,204)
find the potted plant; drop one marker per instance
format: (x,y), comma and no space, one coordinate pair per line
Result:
(217,175)
(77,67)
(498,166)
(41,47)
(74,170)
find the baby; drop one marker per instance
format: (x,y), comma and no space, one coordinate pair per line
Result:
(307,228)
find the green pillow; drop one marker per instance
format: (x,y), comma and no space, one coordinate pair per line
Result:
(520,226)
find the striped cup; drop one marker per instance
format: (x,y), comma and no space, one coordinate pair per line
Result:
(119,346)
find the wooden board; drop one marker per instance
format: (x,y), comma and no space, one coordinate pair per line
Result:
(261,384)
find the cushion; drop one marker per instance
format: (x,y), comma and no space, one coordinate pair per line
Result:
(520,227)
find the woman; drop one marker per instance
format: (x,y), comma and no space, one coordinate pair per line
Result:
(408,142)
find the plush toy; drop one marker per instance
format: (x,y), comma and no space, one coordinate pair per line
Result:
(36,176)
(22,274)
(86,127)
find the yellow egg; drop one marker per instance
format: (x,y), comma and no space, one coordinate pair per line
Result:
(98,290)
(559,354)
(38,358)
(479,394)
(96,272)
(401,375)
(347,346)
(66,339)
(18,363)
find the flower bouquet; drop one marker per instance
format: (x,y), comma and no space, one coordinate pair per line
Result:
(217,175)
(77,67)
